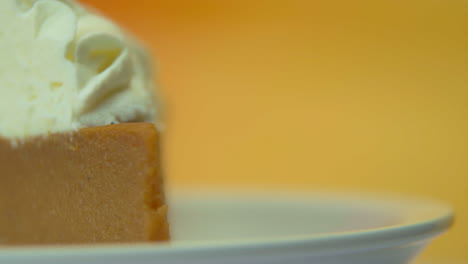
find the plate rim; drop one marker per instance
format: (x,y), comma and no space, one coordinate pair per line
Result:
(412,230)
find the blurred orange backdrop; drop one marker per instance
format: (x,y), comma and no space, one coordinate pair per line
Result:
(367,95)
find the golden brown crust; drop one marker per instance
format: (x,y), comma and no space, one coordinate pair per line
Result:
(99,184)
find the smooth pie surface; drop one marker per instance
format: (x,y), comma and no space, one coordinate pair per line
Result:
(99,184)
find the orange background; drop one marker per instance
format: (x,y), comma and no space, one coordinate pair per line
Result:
(367,95)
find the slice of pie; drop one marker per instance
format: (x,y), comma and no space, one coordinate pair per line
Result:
(78,141)
(100,184)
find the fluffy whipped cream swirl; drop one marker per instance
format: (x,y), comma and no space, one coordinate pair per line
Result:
(63,67)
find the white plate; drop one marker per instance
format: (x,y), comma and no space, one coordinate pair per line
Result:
(251,228)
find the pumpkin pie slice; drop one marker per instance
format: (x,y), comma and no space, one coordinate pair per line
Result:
(78,141)
(99,184)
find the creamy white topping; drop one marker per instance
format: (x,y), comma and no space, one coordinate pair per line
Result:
(63,68)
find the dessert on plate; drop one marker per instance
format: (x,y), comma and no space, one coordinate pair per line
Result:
(79,158)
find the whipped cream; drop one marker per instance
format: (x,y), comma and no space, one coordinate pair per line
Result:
(63,67)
